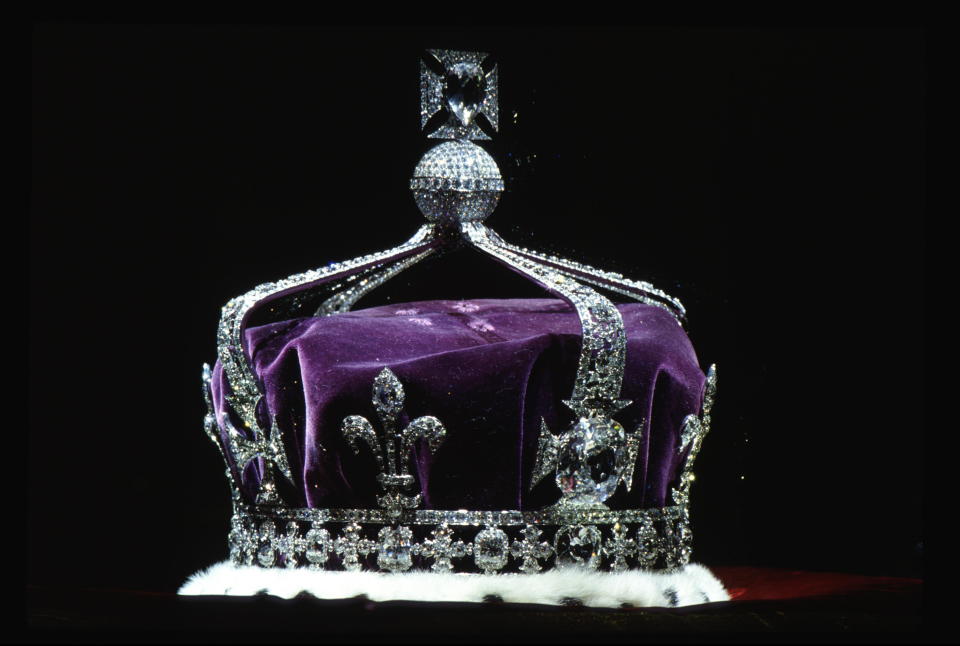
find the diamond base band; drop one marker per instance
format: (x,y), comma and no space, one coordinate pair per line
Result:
(460,540)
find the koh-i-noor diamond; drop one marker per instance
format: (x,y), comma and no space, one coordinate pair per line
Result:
(590,460)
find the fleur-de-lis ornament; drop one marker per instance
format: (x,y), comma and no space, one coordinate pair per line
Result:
(392,447)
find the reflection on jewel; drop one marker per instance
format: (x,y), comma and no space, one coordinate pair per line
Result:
(394,549)
(655,537)
(647,543)
(266,555)
(592,456)
(490,549)
(464,90)
(318,546)
(578,544)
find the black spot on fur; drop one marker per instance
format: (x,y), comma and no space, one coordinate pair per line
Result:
(673,599)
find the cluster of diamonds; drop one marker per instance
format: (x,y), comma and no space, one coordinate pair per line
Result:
(459,541)
(456,181)
(464,91)
(459,182)
(692,432)
(638,290)
(457,165)
(392,446)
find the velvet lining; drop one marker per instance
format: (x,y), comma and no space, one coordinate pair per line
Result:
(489,370)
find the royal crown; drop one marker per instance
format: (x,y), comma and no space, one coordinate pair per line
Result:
(533,438)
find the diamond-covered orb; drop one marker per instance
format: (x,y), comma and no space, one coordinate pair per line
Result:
(456,181)
(590,461)
(464,89)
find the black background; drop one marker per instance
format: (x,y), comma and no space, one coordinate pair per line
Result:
(772,178)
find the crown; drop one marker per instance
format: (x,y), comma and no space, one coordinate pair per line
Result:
(549,441)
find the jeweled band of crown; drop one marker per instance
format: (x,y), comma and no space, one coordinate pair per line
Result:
(459,541)
(456,185)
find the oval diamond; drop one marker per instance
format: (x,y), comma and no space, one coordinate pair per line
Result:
(591,460)
(578,544)
(490,549)
(318,546)
(266,555)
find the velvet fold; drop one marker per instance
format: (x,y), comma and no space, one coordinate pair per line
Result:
(490,370)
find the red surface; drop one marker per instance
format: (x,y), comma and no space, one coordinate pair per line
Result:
(763,584)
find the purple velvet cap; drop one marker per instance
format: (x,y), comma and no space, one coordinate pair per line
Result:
(489,370)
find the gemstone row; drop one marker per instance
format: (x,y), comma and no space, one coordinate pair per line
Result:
(654,541)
